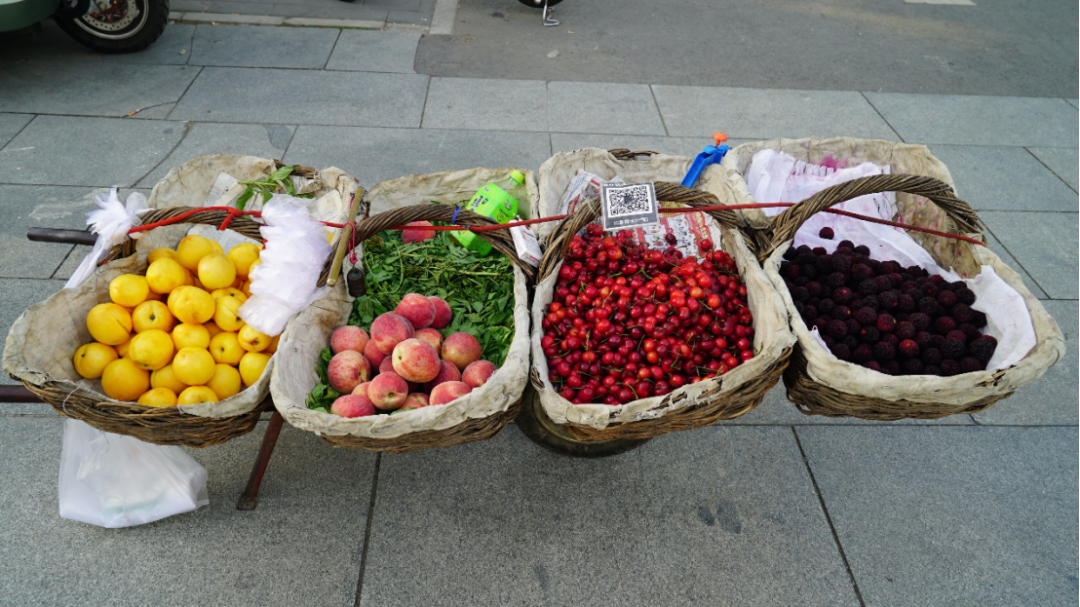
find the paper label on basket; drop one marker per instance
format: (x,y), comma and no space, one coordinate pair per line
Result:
(688,229)
(582,187)
(623,207)
(221,185)
(528,249)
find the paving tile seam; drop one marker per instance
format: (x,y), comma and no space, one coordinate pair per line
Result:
(16,135)
(656,103)
(828,519)
(62,262)
(1052,171)
(367,530)
(332,49)
(882,116)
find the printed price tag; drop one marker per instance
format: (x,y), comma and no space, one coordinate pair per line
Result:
(628,206)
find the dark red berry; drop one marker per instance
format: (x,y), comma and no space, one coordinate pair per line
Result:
(920,320)
(883,351)
(909,349)
(946,298)
(954,349)
(866,316)
(983,348)
(944,324)
(827,233)
(970,364)
(843,296)
(841,351)
(950,367)
(905,330)
(869,335)
(957,334)
(886,323)
(862,354)
(929,305)
(837,329)
(905,303)
(962,313)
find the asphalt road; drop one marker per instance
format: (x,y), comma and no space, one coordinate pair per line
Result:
(1022,48)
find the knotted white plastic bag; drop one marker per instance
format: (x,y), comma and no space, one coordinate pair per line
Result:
(285,280)
(111,223)
(115,481)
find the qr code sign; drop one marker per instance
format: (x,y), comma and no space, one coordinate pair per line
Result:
(629,200)
(629,206)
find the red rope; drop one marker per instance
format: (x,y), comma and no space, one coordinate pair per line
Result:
(233,213)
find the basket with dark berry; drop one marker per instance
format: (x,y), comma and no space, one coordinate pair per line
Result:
(634,342)
(878,340)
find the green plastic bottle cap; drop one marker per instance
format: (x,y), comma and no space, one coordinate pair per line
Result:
(517,176)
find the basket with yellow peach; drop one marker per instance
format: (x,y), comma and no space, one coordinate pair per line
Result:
(154,344)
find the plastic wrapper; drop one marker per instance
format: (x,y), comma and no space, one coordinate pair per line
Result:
(285,281)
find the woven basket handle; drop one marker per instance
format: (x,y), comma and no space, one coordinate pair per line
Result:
(589,211)
(500,240)
(626,154)
(961,218)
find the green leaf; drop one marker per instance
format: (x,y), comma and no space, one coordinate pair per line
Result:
(281,173)
(242,201)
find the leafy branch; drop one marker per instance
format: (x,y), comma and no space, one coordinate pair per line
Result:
(277,183)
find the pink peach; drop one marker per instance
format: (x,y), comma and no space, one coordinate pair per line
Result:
(461,349)
(417,309)
(387,365)
(348,338)
(418,234)
(347,369)
(416,361)
(373,355)
(444,393)
(443,314)
(387,391)
(430,336)
(352,405)
(478,373)
(361,389)
(447,372)
(417,400)
(388,330)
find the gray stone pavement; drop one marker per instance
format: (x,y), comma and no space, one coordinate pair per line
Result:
(774,508)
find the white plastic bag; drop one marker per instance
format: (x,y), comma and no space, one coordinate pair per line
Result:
(284,282)
(115,481)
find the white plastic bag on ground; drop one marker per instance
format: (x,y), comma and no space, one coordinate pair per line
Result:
(115,481)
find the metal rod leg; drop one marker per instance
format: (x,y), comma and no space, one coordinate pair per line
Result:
(250,498)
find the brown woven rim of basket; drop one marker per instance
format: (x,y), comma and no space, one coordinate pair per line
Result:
(813,398)
(471,431)
(474,429)
(160,425)
(169,425)
(717,405)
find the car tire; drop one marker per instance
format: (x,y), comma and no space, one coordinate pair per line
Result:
(129,26)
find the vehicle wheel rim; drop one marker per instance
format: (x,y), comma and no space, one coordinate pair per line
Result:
(122,19)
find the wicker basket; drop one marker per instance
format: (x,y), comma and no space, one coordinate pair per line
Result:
(692,406)
(474,417)
(820,384)
(58,384)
